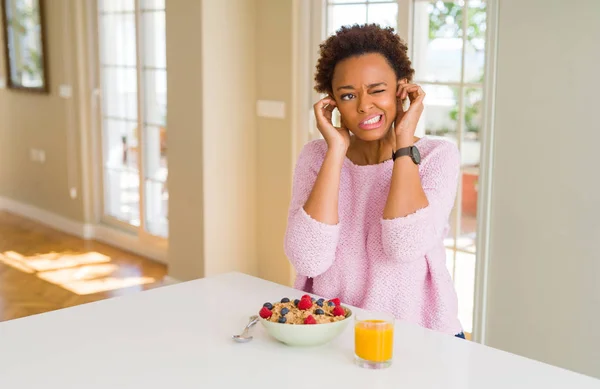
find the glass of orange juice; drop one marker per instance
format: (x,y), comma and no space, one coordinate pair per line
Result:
(373,339)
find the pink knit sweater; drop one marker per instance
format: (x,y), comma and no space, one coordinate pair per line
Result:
(397,266)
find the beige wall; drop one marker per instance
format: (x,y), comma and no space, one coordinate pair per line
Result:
(274,82)
(230,172)
(46,122)
(229,130)
(543,299)
(212,137)
(185,100)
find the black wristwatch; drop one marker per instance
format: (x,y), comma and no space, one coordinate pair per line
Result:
(411,151)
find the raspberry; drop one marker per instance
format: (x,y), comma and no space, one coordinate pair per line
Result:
(310,320)
(336,301)
(265,313)
(305,297)
(339,311)
(305,304)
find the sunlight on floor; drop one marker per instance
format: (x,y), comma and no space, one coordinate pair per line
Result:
(8,259)
(55,261)
(82,274)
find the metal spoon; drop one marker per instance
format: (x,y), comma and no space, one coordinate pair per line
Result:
(243,337)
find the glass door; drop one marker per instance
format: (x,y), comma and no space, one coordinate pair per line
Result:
(133,74)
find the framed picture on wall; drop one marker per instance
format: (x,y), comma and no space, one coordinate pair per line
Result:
(24,45)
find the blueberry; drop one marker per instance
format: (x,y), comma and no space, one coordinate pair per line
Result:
(282,319)
(284,311)
(296,302)
(268,305)
(320,302)
(319,311)
(331,303)
(312,299)
(285,300)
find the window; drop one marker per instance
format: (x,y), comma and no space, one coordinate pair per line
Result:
(341,13)
(133,73)
(447,43)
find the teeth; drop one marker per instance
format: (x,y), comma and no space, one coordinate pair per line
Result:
(374,120)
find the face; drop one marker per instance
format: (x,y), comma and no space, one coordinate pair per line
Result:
(364,88)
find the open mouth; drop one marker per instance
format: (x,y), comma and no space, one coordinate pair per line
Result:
(371,123)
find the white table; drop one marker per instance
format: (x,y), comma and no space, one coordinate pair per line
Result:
(180,337)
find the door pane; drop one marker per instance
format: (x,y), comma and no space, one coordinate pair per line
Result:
(155,97)
(475,49)
(473,120)
(157,200)
(346,1)
(112,6)
(117,41)
(440,116)
(121,147)
(122,199)
(155,51)
(152,5)
(343,15)
(438,43)
(386,15)
(464,282)
(117,44)
(155,153)
(470,155)
(119,93)
(155,119)
(468,218)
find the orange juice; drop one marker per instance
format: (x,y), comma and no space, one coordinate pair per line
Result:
(374,340)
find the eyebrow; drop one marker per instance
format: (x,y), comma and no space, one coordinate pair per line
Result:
(368,86)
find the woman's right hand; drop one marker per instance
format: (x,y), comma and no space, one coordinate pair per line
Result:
(336,137)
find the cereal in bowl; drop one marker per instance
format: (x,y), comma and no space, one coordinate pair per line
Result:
(305,310)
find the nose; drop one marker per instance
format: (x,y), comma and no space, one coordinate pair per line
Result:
(364,103)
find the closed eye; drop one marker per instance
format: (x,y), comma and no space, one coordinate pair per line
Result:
(379,91)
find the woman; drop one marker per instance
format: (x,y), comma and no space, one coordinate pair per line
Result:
(371,202)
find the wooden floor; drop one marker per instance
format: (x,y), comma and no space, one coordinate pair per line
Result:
(42,269)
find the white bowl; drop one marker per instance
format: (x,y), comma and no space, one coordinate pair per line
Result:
(306,334)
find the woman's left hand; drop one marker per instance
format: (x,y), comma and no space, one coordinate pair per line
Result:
(406,121)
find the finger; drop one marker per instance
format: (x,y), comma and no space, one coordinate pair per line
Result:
(418,95)
(323,109)
(415,92)
(329,107)
(406,89)
(417,104)
(329,104)
(402,101)
(400,93)
(322,104)
(318,107)
(411,88)
(327,114)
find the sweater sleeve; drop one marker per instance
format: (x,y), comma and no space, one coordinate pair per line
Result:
(309,244)
(408,238)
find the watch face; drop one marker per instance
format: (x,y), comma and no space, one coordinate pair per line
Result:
(415,155)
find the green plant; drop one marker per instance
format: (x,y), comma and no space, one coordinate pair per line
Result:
(471,112)
(445,17)
(448,15)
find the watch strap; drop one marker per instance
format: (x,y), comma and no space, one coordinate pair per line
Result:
(401,152)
